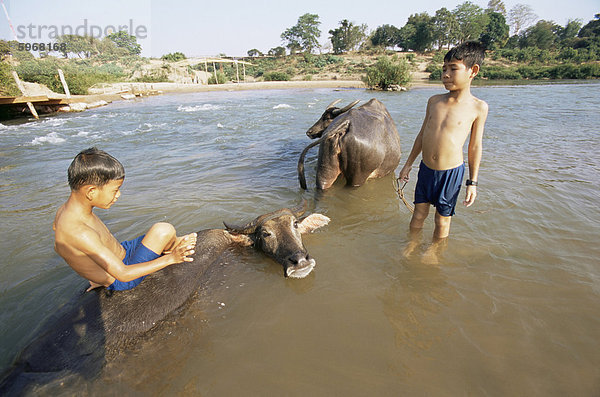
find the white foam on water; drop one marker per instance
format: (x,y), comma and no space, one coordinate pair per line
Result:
(52,138)
(148,127)
(198,108)
(54,122)
(283,106)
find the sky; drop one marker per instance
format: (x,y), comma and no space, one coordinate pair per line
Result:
(231,27)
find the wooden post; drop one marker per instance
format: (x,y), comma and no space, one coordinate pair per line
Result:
(215,70)
(244,69)
(22,89)
(237,71)
(206,70)
(64,83)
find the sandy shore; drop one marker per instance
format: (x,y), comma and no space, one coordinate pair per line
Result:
(262,85)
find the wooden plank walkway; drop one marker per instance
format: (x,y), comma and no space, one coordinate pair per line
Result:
(38,100)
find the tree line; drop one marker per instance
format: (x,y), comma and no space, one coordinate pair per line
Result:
(495,27)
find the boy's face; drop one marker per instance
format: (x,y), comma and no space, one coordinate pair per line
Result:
(456,75)
(107,195)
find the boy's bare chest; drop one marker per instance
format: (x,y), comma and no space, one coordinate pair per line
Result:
(451,118)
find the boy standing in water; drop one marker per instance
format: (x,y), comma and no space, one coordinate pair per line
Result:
(449,119)
(86,244)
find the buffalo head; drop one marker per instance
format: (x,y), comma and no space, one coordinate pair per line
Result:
(279,235)
(327,117)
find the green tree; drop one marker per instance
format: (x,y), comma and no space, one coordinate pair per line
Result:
(496,31)
(567,37)
(422,28)
(124,40)
(304,35)
(520,17)
(347,36)
(497,6)
(405,37)
(254,53)
(541,35)
(591,29)
(385,36)
(277,51)
(7,82)
(4,48)
(444,26)
(472,21)
(82,46)
(570,30)
(106,47)
(173,56)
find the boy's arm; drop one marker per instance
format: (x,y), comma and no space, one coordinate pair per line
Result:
(89,243)
(416,149)
(474,152)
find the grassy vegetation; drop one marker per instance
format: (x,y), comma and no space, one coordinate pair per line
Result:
(532,64)
(79,74)
(387,72)
(8,86)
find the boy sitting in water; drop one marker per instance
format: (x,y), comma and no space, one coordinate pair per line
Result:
(449,119)
(85,242)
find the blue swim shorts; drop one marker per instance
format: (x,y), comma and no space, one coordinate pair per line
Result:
(440,188)
(135,252)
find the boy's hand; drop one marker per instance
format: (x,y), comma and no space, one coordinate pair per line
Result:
(471,194)
(182,253)
(93,285)
(404,173)
(185,248)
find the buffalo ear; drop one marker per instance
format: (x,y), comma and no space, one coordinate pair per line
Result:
(336,133)
(312,222)
(241,239)
(339,130)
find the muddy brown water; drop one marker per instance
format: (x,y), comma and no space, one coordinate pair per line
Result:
(512,309)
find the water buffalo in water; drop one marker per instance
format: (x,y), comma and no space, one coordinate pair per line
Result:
(96,325)
(360,144)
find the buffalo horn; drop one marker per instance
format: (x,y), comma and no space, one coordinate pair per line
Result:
(332,104)
(345,109)
(300,209)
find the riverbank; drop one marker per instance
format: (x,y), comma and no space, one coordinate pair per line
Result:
(107,93)
(257,85)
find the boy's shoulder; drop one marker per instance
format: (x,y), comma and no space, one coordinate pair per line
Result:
(437,97)
(68,220)
(480,104)
(65,220)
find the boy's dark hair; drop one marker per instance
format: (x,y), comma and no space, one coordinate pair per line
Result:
(470,52)
(94,167)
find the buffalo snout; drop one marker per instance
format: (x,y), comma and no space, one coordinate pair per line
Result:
(299,265)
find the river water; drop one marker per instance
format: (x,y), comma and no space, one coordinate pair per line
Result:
(513,308)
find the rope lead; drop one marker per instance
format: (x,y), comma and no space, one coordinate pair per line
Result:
(400,191)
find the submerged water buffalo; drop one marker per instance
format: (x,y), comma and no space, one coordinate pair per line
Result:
(97,324)
(360,144)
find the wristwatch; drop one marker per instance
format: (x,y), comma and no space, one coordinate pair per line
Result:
(471,183)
